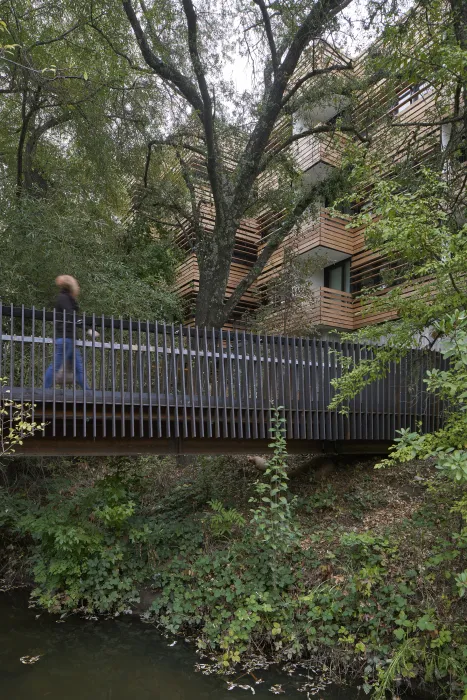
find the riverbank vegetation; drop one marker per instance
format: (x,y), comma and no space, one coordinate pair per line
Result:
(362,573)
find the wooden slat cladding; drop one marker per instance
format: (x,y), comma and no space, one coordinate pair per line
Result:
(187,286)
(325,308)
(323,148)
(323,230)
(188,277)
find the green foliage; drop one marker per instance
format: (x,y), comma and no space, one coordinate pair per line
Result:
(272,517)
(16,421)
(224,522)
(321,499)
(86,548)
(117,275)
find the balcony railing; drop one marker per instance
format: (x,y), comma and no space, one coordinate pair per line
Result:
(323,231)
(333,309)
(312,150)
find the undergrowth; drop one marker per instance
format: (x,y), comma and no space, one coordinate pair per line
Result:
(250,568)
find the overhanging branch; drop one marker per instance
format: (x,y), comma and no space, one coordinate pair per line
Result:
(165,70)
(313,74)
(268,29)
(273,243)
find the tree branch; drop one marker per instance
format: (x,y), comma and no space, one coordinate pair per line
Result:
(116,51)
(170,141)
(322,12)
(57,38)
(268,29)
(213,161)
(195,205)
(313,74)
(165,70)
(273,243)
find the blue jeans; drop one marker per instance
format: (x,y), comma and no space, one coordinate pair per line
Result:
(79,370)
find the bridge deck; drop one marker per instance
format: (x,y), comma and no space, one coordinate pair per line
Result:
(155,387)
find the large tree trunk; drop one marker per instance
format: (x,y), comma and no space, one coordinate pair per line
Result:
(214,260)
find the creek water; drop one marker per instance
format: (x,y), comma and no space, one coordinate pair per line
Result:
(119,659)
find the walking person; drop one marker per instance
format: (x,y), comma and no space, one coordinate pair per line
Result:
(66,302)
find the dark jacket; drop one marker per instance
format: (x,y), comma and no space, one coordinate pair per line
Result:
(66,302)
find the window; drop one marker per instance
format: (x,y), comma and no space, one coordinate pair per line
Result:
(337,276)
(410,96)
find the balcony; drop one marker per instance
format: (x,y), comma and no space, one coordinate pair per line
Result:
(323,236)
(317,155)
(325,308)
(333,309)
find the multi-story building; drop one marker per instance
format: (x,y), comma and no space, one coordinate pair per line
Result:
(343,265)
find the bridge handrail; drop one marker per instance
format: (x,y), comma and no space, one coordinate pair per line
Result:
(161,379)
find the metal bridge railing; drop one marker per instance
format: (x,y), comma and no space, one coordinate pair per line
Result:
(162,380)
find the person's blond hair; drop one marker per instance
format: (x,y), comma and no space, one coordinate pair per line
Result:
(69,283)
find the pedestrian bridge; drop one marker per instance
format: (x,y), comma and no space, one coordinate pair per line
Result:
(157,388)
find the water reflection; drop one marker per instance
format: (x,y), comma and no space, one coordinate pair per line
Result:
(110,660)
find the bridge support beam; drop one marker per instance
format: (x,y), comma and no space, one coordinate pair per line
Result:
(81,447)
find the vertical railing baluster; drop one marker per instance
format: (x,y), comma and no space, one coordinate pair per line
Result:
(141,387)
(166,375)
(274,394)
(222,383)
(158,380)
(261,355)
(11,385)
(85,376)
(246,386)
(93,373)
(54,339)
(326,389)
(182,380)
(21,374)
(64,368)
(233,431)
(252,374)
(281,370)
(191,383)
(43,369)
(307,399)
(1,353)
(301,384)
(175,383)
(266,407)
(288,404)
(313,422)
(1,345)
(200,384)
(214,381)
(131,384)
(149,367)
(239,387)
(113,376)
(33,362)
(103,384)
(208,382)
(122,381)
(294,397)
(74,371)
(320,379)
